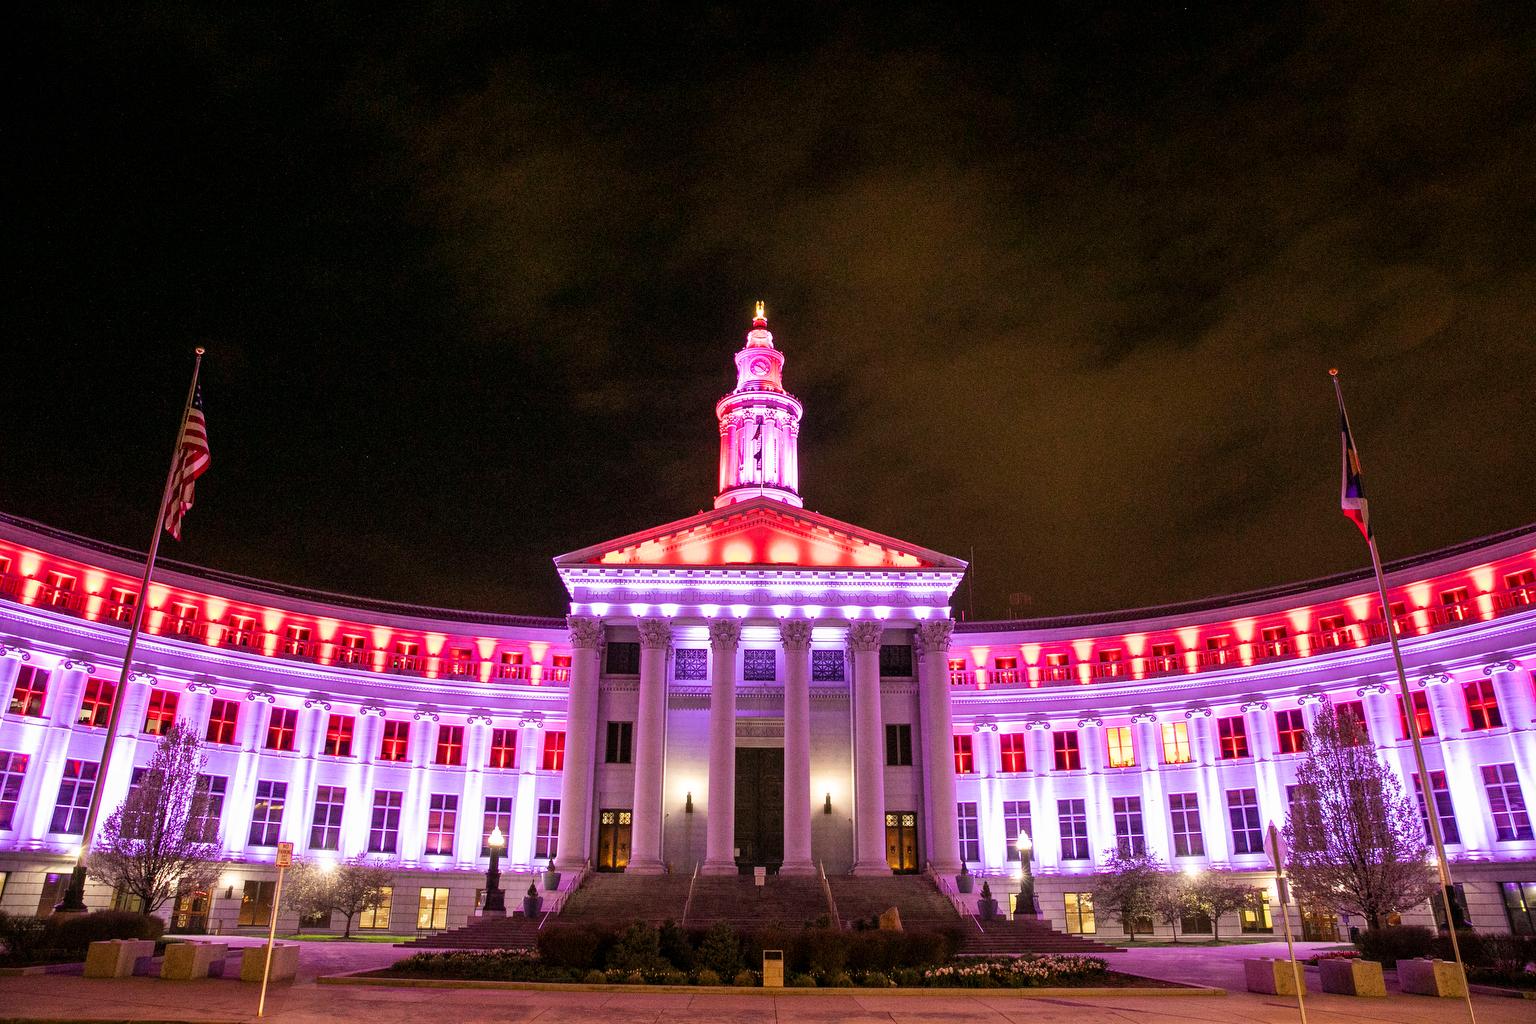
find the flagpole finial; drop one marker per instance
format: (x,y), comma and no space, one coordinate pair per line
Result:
(200,350)
(1333,372)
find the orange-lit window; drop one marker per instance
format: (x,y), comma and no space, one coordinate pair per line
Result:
(1482,705)
(96,704)
(161,713)
(450,745)
(241,631)
(350,649)
(1291,731)
(1122,746)
(965,757)
(281,727)
(1234,737)
(338,735)
(1332,632)
(396,741)
(1111,662)
(503,748)
(1454,605)
(296,641)
(183,619)
(1064,746)
(957,673)
(223,715)
(407,656)
(554,751)
(1164,658)
(1421,714)
(1176,743)
(120,603)
(1005,670)
(1012,747)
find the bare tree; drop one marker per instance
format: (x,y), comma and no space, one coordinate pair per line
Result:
(1214,893)
(1355,841)
(348,888)
(155,844)
(1126,888)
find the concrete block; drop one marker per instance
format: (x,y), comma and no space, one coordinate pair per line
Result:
(1273,977)
(1431,978)
(285,962)
(1352,977)
(186,961)
(116,958)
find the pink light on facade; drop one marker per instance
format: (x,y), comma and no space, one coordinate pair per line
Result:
(759,425)
(1482,579)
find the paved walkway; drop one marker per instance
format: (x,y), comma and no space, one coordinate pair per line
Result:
(55,997)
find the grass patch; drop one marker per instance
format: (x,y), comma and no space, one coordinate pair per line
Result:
(371,937)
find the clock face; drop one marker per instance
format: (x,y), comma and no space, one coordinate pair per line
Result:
(759,367)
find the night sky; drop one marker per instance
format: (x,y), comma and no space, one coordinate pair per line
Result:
(1063,290)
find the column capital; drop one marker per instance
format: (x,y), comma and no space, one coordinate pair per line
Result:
(1501,666)
(586,631)
(796,634)
(864,635)
(725,632)
(532,720)
(933,635)
(655,634)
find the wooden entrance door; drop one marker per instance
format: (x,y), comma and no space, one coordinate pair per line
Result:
(759,808)
(613,828)
(901,841)
(191,915)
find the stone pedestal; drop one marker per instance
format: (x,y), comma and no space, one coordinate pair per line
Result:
(188,961)
(1273,977)
(1351,977)
(116,958)
(1431,978)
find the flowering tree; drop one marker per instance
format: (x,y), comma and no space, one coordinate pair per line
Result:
(156,843)
(348,888)
(1127,886)
(1355,841)
(1214,893)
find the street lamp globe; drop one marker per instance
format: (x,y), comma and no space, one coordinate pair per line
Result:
(497,839)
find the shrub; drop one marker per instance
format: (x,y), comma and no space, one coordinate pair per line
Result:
(675,947)
(838,980)
(819,952)
(706,977)
(638,949)
(874,979)
(576,947)
(720,951)
(634,978)
(1400,942)
(801,981)
(908,977)
(671,976)
(73,935)
(744,979)
(22,936)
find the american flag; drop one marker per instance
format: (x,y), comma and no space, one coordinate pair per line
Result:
(1352,487)
(191,463)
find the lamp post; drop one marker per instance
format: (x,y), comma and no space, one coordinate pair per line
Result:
(1026,847)
(495,903)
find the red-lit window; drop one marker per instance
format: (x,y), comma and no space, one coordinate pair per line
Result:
(296,641)
(1454,605)
(1482,705)
(281,727)
(965,758)
(407,656)
(554,751)
(120,603)
(240,631)
(96,704)
(396,741)
(511,666)
(560,665)
(223,715)
(1426,721)
(338,735)
(1012,746)
(957,673)
(1291,730)
(461,662)
(160,715)
(1058,667)
(1520,588)
(1234,737)
(1164,658)
(1111,662)
(1332,632)
(1352,711)
(1219,650)
(1275,641)
(503,748)
(183,619)
(59,590)
(30,692)
(350,649)
(1064,745)
(1005,670)
(450,745)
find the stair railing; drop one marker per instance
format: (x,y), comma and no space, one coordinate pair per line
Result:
(826,888)
(947,889)
(688,903)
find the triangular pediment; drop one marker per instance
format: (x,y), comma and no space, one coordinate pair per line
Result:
(761,532)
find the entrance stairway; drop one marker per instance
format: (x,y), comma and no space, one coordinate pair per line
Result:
(609,899)
(782,902)
(921,904)
(1024,935)
(484,933)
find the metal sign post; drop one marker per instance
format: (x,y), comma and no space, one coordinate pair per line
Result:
(1282,894)
(284,861)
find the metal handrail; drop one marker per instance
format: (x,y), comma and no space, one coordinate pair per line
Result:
(688,903)
(946,888)
(826,888)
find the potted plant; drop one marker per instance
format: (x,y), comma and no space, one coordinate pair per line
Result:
(532,901)
(965,881)
(987,906)
(551,876)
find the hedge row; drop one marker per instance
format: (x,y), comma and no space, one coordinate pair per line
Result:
(29,939)
(1489,957)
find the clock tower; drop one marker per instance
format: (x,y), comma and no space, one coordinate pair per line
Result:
(759,426)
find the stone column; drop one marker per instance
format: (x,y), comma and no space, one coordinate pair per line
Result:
(525,805)
(720,828)
(1513,690)
(650,730)
(796,637)
(938,742)
(868,748)
(572,847)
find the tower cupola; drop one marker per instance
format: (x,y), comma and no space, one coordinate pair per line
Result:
(759,425)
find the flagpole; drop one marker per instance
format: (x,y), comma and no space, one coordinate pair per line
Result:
(74,895)
(1426,789)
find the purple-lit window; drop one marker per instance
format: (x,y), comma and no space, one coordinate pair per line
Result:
(1350,715)
(1184,812)
(395,742)
(1011,745)
(498,814)
(325,831)
(965,758)
(1130,836)
(281,727)
(554,751)
(1482,705)
(13,768)
(338,735)
(450,745)
(267,813)
(546,828)
(1072,817)
(1064,745)
(30,693)
(1291,731)
(161,713)
(1444,809)
(384,827)
(967,831)
(1511,820)
(442,820)
(1426,721)
(76,787)
(1234,737)
(207,808)
(96,703)
(1016,823)
(223,716)
(1243,812)
(503,748)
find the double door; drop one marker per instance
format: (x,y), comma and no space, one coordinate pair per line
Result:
(901,841)
(614,825)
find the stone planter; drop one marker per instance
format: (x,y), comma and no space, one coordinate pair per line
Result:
(531,905)
(1431,978)
(1350,977)
(965,882)
(987,910)
(1273,977)
(551,880)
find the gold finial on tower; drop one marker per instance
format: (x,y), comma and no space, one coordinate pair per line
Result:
(760,313)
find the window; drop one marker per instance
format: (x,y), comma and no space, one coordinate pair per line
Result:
(338,735)
(1011,745)
(1332,632)
(406,657)
(1080,913)
(498,814)
(895,660)
(296,641)
(1130,836)
(1275,641)
(1521,587)
(325,832)
(510,666)
(1073,816)
(1243,812)
(1068,757)
(376,917)
(396,741)
(1176,743)
(1188,839)
(1350,715)
(461,662)
(1291,730)
(13,768)
(450,745)
(1482,705)
(1254,918)
(222,718)
(693,663)
(623,659)
(350,650)
(1520,905)
(183,619)
(1005,671)
(1016,823)
(96,704)
(1234,737)
(1112,662)
(827,666)
(1122,748)
(759,666)
(1421,715)
(267,814)
(58,591)
(442,820)
(969,829)
(256,903)
(618,743)
(240,631)
(965,758)
(161,713)
(554,751)
(30,692)
(560,667)
(546,829)
(281,727)
(1164,658)
(1218,650)
(1195,922)
(898,744)
(503,748)
(138,812)
(1444,809)
(1458,895)
(120,604)
(432,908)
(76,788)
(207,808)
(1058,668)
(1454,605)
(384,827)
(957,673)
(1511,821)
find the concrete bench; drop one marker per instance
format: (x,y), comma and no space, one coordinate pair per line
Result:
(117,958)
(1431,978)
(1273,977)
(1347,976)
(187,961)
(285,962)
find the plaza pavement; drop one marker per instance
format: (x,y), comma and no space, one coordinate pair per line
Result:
(67,997)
